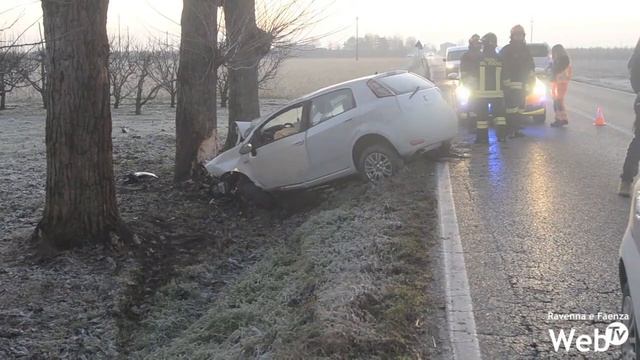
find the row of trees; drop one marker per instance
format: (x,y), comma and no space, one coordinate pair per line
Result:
(80,204)
(137,72)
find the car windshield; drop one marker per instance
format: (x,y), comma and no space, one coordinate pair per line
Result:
(538,50)
(405,83)
(455,54)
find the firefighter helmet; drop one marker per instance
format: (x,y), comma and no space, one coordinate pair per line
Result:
(490,39)
(518,29)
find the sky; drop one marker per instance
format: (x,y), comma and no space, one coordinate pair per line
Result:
(572,23)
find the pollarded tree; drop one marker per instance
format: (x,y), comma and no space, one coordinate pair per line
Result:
(80,202)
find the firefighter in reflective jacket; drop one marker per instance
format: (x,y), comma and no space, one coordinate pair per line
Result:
(489,94)
(469,66)
(517,78)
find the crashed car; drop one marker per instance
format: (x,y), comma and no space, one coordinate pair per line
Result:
(363,126)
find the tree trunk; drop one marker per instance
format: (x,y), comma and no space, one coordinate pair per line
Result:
(253,44)
(196,126)
(173,99)
(3,101)
(139,90)
(80,202)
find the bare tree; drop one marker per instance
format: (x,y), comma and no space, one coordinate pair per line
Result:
(165,69)
(122,67)
(80,202)
(251,34)
(223,85)
(196,125)
(11,62)
(34,70)
(144,59)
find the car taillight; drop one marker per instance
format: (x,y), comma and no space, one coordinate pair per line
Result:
(379,90)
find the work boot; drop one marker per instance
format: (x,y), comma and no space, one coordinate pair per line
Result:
(557,123)
(624,189)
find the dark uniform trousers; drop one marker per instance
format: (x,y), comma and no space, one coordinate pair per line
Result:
(630,168)
(515,95)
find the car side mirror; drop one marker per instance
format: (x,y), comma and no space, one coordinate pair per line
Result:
(246,149)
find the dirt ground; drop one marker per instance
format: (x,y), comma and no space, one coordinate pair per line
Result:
(345,272)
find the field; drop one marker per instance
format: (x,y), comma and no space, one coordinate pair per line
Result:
(300,76)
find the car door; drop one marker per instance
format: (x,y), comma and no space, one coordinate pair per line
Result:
(421,105)
(279,157)
(329,135)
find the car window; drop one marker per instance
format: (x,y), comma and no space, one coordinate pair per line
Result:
(455,55)
(538,50)
(283,124)
(327,106)
(405,83)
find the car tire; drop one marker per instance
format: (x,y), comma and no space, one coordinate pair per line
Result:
(377,162)
(630,349)
(250,193)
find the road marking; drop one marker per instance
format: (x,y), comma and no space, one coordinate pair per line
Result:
(462,325)
(613,126)
(604,87)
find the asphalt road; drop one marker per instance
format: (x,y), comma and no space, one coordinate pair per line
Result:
(541,223)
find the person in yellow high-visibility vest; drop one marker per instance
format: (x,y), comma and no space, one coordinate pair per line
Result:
(489,94)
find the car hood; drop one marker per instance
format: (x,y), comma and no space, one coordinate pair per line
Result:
(226,162)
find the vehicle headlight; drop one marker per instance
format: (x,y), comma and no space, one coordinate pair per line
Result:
(540,88)
(462,94)
(451,65)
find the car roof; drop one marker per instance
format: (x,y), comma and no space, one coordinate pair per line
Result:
(347,84)
(457,48)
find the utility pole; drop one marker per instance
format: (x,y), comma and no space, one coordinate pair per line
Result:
(357,40)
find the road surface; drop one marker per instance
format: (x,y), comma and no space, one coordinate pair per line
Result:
(540,224)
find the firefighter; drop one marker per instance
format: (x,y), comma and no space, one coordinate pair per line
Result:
(630,167)
(518,77)
(469,72)
(489,94)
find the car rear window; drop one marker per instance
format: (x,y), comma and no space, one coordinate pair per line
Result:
(455,55)
(538,50)
(405,83)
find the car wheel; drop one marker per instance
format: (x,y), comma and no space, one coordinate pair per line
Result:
(378,161)
(630,349)
(250,193)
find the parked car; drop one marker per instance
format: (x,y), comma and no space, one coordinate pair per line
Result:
(361,126)
(630,278)
(541,57)
(452,61)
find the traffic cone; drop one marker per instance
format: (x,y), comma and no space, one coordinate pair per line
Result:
(599,118)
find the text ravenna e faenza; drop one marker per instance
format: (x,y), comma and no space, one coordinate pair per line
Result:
(587,317)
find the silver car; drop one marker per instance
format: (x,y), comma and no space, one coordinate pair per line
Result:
(630,277)
(361,126)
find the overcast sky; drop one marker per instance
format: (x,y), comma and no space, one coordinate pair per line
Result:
(611,23)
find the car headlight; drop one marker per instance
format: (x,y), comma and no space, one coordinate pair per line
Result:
(540,88)
(462,94)
(451,65)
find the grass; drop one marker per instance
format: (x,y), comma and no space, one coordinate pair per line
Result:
(350,282)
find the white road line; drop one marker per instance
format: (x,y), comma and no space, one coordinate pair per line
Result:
(590,116)
(604,88)
(462,325)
